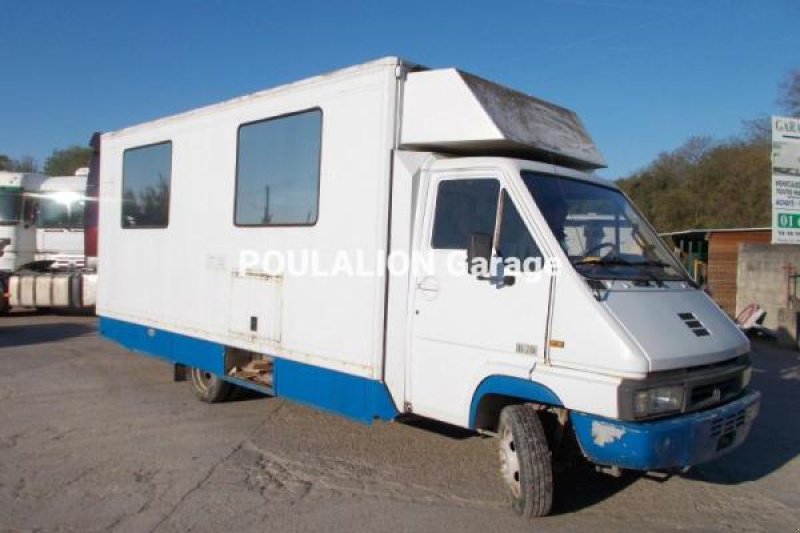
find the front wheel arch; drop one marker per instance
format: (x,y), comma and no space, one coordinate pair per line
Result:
(497,392)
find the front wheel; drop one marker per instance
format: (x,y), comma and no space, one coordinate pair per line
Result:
(208,387)
(525,460)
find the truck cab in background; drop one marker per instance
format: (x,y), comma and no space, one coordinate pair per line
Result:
(18,193)
(59,220)
(17,233)
(43,226)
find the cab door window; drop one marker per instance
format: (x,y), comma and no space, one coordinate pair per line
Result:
(464,207)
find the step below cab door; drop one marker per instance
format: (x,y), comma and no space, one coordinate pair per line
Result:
(468,326)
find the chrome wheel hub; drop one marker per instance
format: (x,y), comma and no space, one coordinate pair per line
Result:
(509,462)
(201,379)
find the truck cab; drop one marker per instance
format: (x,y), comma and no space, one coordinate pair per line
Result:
(17,234)
(46,269)
(18,192)
(583,310)
(59,220)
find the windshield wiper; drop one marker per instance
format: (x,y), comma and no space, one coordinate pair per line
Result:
(603,261)
(653,262)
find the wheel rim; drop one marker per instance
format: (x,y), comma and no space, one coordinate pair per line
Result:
(509,462)
(201,379)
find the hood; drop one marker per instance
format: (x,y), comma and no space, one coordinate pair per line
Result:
(676,328)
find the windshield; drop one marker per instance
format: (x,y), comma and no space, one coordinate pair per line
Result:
(601,232)
(61,210)
(10,202)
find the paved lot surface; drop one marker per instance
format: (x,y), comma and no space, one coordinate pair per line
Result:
(95,438)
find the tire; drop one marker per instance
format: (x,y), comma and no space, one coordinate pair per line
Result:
(526,460)
(208,387)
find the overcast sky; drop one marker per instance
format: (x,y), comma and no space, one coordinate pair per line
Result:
(643,75)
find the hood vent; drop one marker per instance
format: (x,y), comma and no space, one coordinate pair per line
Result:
(694,324)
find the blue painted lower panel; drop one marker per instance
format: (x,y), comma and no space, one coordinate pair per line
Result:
(173,347)
(355,397)
(351,396)
(671,443)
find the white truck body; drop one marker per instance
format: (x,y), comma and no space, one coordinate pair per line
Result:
(384,342)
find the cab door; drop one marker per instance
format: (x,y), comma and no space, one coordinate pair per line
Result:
(467,327)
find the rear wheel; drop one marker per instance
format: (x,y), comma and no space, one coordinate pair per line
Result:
(525,460)
(208,387)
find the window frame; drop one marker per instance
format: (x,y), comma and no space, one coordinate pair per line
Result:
(506,196)
(319,168)
(122,182)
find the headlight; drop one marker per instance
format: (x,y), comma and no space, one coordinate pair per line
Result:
(658,400)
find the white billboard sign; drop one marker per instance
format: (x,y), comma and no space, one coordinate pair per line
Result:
(785,180)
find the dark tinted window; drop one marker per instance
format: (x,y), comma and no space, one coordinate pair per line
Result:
(515,239)
(146,174)
(10,202)
(464,207)
(277,175)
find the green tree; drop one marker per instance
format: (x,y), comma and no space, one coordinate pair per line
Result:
(66,161)
(706,184)
(5,162)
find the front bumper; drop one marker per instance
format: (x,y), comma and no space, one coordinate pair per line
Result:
(684,440)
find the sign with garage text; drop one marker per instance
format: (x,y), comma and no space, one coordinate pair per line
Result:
(785,180)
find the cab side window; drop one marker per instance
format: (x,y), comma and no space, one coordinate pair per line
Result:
(515,244)
(464,207)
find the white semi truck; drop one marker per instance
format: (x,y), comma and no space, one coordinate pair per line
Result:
(389,240)
(45,219)
(17,232)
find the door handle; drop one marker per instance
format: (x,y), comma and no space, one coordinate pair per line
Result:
(500,281)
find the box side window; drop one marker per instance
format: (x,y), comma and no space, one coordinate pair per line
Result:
(146,175)
(278,169)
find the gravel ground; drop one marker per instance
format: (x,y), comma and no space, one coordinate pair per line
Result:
(94,438)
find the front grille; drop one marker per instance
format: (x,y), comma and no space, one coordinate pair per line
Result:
(728,424)
(713,393)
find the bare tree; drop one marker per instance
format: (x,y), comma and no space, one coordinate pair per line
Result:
(789,97)
(22,164)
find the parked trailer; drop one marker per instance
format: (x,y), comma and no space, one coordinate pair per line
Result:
(583,332)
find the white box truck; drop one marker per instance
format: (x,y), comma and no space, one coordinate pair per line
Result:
(389,240)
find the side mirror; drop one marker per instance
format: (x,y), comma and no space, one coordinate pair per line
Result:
(480,249)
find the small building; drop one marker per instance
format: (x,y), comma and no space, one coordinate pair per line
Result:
(712,258)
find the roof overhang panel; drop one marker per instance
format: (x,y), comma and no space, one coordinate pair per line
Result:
(448,110)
